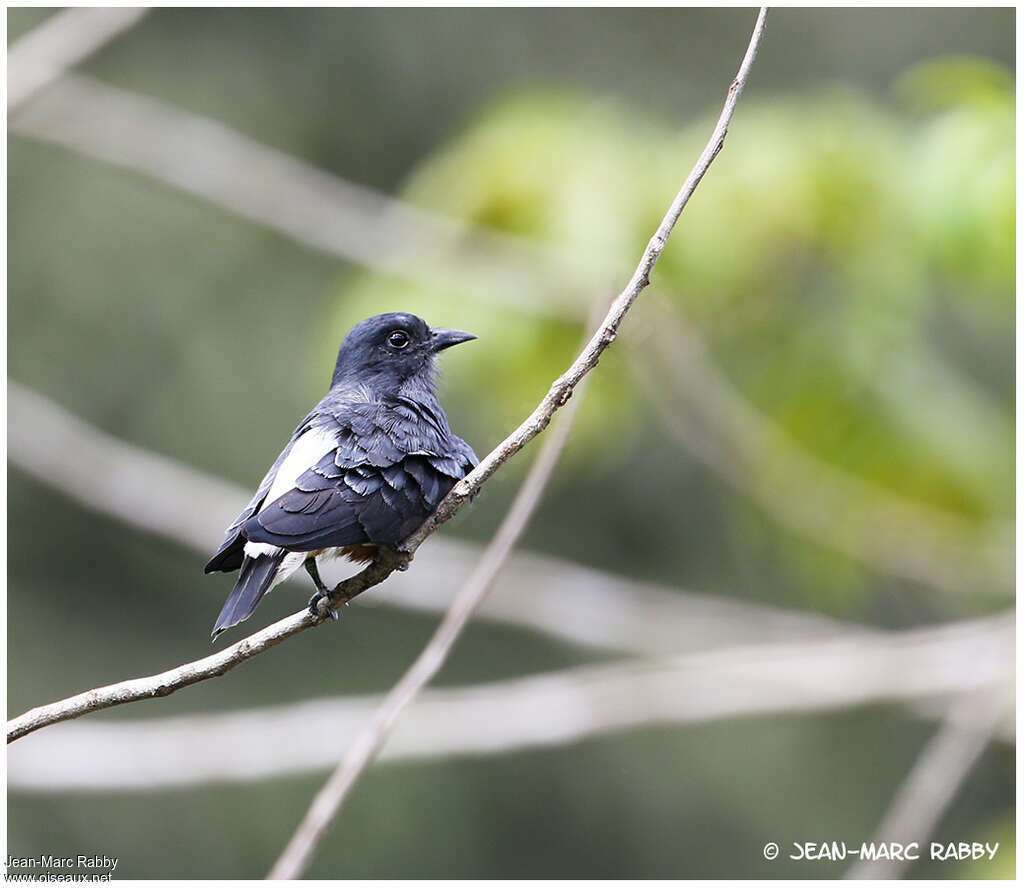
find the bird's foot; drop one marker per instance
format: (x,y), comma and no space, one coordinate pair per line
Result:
(319,607)
(318,604)
(396,558)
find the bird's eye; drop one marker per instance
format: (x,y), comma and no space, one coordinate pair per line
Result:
(398,339)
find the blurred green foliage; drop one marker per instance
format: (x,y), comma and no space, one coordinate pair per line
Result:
(847,260)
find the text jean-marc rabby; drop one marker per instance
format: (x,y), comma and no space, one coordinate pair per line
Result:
(52,861)
(894,851)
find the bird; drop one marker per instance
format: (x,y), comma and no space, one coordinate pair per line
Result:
(364,469)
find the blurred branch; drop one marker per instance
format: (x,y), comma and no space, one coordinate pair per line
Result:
(559,393)
(154,493)
(833,508)
(62,41)
(369,741)
(316,209)
(930,667)
(932,784)
(114,477)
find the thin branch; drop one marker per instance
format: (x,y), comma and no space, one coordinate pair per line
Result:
(318,210)
(921,668)
(558,395)
(371,739)
(937,775)
(62,41)
(561,390)
(163,683)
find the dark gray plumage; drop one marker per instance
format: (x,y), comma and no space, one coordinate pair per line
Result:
(365,468)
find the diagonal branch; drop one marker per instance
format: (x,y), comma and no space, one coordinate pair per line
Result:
(562,388)
(62,41)
(929,788)
(558,395)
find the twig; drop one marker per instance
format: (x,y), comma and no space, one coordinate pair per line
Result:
(164,683)
(369,741)
(558,395)
(938,773)
(317,210)
(561,390)
(930,666)
(62,41)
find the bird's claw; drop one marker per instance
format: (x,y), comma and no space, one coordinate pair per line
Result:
(399,559)
(318,607)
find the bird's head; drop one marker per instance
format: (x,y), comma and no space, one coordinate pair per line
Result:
(385,351)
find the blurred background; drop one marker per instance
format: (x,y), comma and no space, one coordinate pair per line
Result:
(768,595)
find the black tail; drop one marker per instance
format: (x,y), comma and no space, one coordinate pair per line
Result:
(255,578)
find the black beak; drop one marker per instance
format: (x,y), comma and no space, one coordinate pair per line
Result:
(442,339)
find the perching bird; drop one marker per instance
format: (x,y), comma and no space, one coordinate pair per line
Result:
(364,469)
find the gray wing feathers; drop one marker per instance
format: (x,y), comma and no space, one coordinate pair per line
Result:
(390,470)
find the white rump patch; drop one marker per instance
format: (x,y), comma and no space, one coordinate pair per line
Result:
(254,550)
(291,562)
